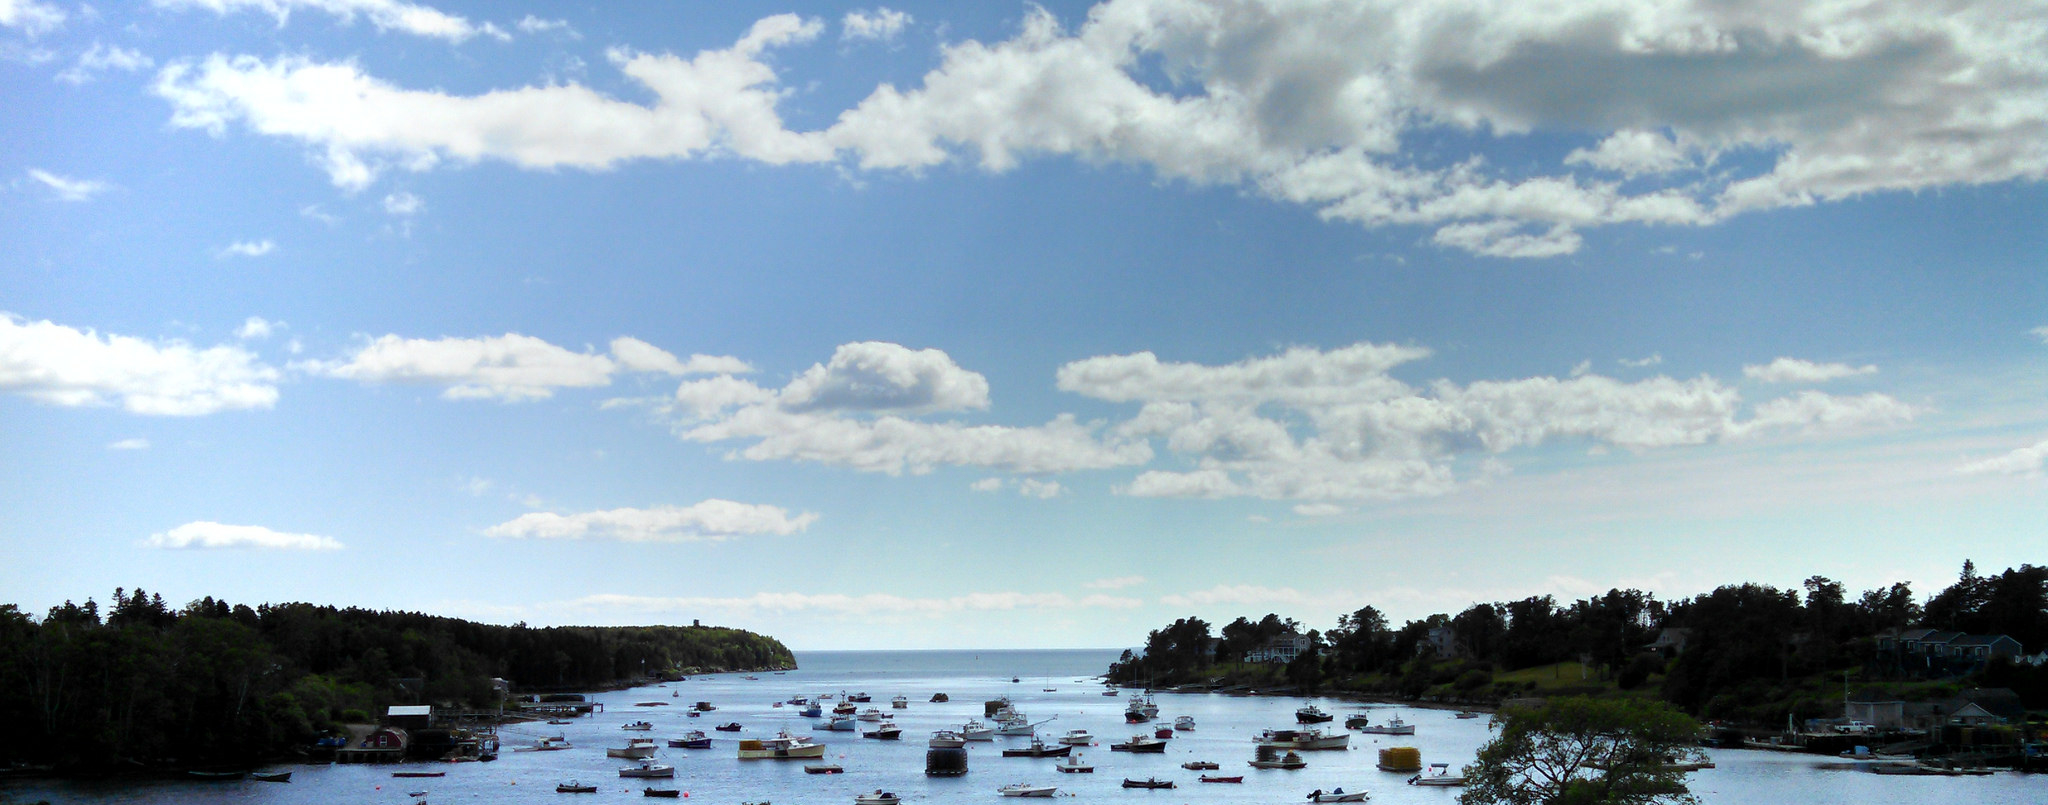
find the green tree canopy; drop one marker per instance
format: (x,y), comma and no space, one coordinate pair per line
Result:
(1581,751)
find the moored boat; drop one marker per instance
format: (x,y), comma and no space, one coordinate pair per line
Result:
(1312,738)
(783,746)
(886,731)
(730,726)
(664,793)
(1200,765)
(1468,714)
(1140,743)
(1268,759)
(638,726)
(217,776)
(899,702)
(638,751)
(1077,738)
(419,774)
(880,797)
(573,787)
(1023,790)
(823,768)
(1220,779)
(1184,723)
(974,730)
(871,714)
(694,739)
(836,724)
(1439,775)
(648,769)
(1039,748)
(946,739)
(1337,795)
(1311,714)
(1149,782)
(1395,726)
(271,777)
(1357,720)
(1073,764)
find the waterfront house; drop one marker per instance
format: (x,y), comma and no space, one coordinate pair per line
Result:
(1283,647)
(1443,640)
(1670,642)
(410,716)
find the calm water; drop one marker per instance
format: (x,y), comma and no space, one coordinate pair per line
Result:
(1223,729)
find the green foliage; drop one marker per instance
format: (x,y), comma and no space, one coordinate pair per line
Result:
(218,683)
(1585,751)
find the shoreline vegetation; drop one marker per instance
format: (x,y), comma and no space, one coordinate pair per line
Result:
(1746,657)
(145,688)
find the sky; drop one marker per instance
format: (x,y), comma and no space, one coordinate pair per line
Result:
(1007,325)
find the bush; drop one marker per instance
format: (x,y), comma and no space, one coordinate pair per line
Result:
(1638,671)
(355,716)
(1472,680)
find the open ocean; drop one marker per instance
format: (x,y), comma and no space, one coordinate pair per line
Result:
(1224,726)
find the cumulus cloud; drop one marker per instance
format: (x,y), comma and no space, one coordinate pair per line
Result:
(59,365)
(130,444)
(866,604)
(101,58)
(858,410)
(711,520)
(1334,427)
(1794,370)
(67,188)
(217,535)
(722,101)
(30,16)
(509,368)
(248,248)
(1319,509)
(1355,109)
(257,328)
(879,25)
(1043,490)
(986,485)
(2026,461)
(386,15)
(1643,363)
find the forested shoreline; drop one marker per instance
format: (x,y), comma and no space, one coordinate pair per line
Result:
(143,685)
(1750,653)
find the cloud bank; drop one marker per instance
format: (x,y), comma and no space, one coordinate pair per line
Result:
(63,366)
(711,520)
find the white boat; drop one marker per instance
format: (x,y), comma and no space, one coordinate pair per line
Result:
(1016,726)
(634,752)
(1073,764)
(783,746)
(1143,703)
(871,714)
(550,744)
(648,768)
(835,724)
(1311,738)
(1439,775)
(1337,795)
(1393,727)
(880,797)
(1022,790)
(1077,738)
(1184,723)
(641,726)
(974,730)
(899,702)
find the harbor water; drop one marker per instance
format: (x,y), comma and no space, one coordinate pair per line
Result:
(1224,726)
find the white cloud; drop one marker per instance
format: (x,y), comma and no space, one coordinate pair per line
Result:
(248,248)
(101,58)
(510,367)
(636,355)
(1241,595)
(216,535)
(535,25)
(854,411)
(2041,333)
(130,444)
(255,327)
(476,486)
(1319,509)
(1643,363)
(1043,490)
(1333,427)
(62,366)
(1339,105)
(2026,461)
(386,15)
(313,211)
(879,25)
(32,17)
(710,520)
(866,604)
(1116,583)
(722,101)
(1794,370)
(986,485)
(403,203)
(1582,368)
(67,188)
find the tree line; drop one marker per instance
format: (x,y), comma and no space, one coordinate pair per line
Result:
(1751,650)
(144,684)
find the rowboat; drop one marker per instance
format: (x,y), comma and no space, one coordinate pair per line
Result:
(1149,782)
(573,787)
(1200,765)
(276,777)
(1211,779)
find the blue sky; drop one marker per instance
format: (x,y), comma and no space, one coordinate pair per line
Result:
(927,326)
